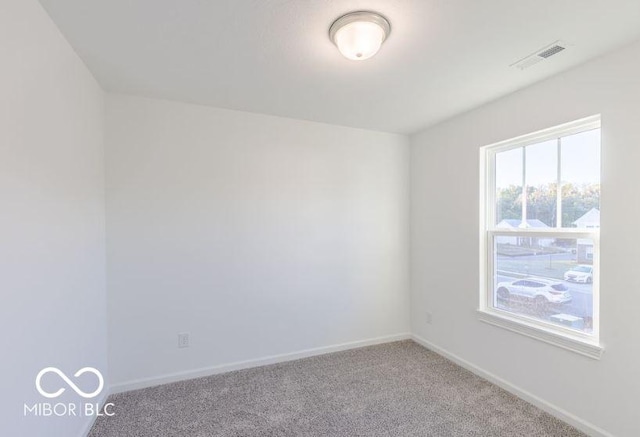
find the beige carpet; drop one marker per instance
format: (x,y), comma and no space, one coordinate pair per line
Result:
(395,389)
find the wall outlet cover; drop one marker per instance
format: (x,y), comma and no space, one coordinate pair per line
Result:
(183,339)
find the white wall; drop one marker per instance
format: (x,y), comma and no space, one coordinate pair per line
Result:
(52,253)
(257,235)
(444,239)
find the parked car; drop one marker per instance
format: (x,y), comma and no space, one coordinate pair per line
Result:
(540,291)
(580,273)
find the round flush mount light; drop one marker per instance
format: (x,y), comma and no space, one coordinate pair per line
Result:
(359,35)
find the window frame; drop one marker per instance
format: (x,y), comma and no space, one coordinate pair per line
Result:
(587,344)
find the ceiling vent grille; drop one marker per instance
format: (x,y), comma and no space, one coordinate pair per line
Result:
(540,55)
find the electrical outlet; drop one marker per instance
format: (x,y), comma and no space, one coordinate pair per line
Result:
(183,339)
(428,318)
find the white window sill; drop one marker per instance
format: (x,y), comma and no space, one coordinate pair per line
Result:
(583,346)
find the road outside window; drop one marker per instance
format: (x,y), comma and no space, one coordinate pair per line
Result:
(542,220)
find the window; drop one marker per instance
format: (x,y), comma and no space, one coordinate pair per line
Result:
(540,230)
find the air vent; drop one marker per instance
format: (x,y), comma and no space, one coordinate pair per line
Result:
(551,51)
(540,55)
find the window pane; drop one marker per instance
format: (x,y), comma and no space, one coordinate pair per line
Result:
(547,279)
(542,182)
(581,180)
(509,188)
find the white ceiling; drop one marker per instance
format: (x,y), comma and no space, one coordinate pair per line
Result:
(274,56)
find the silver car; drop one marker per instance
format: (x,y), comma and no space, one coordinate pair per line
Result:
(541,291)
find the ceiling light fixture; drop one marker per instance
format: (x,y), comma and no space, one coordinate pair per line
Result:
(359,35)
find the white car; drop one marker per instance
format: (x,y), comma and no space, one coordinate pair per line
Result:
(580,273)
(541,291)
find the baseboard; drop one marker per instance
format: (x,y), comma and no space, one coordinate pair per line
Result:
(555,411)
(91,420)
(273,359)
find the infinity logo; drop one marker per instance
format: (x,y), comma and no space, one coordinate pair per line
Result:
(69,382)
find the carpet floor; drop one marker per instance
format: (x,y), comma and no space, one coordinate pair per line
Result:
(394,389)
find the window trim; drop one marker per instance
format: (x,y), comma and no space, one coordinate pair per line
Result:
(582,343)
(525,327)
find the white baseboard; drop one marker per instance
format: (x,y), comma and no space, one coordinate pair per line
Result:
(91,420)
(555,411)
(273,359)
